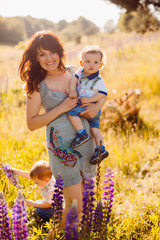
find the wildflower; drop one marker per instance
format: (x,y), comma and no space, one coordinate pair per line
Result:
(108,195)
(88,205)
(98,218)
(5,232)
(20,218)
(57,200)
(10,174)
(102,212)
(71,232)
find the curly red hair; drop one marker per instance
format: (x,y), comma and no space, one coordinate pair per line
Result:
(30,70)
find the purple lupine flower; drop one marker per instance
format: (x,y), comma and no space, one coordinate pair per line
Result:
(57,201)
(108,195)
(20,229)
(5,231)
(71,230)
(10,174)
(88,205)
(98,218)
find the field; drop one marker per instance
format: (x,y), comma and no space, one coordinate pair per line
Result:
(133,62)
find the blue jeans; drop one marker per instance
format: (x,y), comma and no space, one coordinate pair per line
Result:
(93,122)
(44,213)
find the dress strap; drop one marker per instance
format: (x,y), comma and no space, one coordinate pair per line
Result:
(70,69)
(43,88)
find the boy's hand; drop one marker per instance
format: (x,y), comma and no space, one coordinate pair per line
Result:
(84,100)
(29,203)
(73,94)
(11,169)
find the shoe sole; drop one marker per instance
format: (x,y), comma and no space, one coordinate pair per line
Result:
(81,143)
(99,160)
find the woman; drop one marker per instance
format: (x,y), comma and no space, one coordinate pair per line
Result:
(47,84)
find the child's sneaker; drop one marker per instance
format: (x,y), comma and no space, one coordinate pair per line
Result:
(96,159)
(79,140)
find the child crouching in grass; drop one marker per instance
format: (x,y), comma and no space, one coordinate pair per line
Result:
(41,174)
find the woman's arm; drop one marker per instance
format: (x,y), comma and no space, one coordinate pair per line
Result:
(97,97)
(35,120)
(93,109)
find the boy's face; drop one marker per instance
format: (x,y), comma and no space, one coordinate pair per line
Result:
(91,62)
(40,182)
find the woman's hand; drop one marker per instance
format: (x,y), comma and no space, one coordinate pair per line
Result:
(90,112)
(92,109)
(68,104)
(35,120)
(84,101)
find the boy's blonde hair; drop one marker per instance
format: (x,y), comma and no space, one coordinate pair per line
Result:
(93,49)
(41,170)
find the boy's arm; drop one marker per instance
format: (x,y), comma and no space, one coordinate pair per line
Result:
(72,88)
(97,97)
(22,173)
(73,83)
(40,204)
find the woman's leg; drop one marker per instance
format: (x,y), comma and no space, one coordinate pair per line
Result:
(70,193)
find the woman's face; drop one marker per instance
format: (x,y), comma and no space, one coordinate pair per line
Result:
(48,60)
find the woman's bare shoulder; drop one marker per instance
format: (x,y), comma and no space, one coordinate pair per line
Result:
(35,94)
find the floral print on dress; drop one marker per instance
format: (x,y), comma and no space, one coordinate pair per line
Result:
(62,149)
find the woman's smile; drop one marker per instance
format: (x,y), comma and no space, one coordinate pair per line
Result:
(50,63)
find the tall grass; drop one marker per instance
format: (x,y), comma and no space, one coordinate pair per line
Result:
(132,62)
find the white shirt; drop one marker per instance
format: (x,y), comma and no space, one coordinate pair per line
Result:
(48,190)
(90,85)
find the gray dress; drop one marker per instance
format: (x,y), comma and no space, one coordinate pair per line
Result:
(59,134)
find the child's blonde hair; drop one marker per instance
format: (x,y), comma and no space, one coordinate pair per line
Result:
(93,49)
(41,170)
